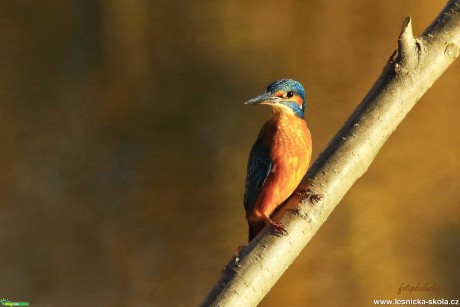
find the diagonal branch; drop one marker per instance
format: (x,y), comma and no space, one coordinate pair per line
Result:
(409,73)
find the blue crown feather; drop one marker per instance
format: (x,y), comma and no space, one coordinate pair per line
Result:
(289,85)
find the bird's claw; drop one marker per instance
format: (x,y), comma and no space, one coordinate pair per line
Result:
(313,197)
(278,228)
(310,195)
(302,189)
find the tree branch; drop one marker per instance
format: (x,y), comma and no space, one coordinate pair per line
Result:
(409,73)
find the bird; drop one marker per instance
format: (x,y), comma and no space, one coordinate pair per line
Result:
(280,156)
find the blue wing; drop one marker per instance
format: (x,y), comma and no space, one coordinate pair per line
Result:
(259,166)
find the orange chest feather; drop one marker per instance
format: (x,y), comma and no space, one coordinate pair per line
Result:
(290,151)
(288,138)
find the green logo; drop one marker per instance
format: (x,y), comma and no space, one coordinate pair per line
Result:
(7,302)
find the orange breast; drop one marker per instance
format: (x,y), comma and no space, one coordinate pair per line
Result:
(290,142)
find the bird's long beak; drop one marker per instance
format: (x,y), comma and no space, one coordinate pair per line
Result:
(265,98)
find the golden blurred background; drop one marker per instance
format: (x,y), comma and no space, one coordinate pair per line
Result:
(124,142)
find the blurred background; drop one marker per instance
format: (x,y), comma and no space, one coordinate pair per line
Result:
(124,143)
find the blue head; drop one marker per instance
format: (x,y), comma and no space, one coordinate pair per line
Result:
(284,95)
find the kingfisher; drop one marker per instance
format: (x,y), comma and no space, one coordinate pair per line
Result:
(280,156)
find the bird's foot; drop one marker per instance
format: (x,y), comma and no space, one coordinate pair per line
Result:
(313,197)
(301,189)
(278,227)
(308,193)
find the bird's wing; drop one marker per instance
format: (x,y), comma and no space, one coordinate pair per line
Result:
(259,166)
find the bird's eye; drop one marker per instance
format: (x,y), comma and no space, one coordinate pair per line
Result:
(289,94)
